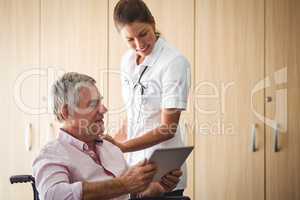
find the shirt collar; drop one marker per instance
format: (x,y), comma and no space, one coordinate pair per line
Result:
(156,52)
(68,138)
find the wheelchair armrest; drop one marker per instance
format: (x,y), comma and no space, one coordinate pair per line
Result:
(21,179)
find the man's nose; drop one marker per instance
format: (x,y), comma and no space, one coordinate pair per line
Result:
(102,109)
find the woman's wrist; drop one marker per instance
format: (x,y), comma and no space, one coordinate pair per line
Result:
(123,147)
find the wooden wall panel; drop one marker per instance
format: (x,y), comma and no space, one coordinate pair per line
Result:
(73,38)
(283,70)
(116,49)
(229,64)
(19,60)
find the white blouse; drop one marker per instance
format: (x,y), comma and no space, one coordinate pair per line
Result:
(162,81)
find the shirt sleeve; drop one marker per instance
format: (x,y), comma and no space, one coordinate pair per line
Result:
(176,84)
(52,181)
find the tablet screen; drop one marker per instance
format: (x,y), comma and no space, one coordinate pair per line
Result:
(169,159)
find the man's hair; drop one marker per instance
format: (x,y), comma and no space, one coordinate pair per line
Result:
(65,91)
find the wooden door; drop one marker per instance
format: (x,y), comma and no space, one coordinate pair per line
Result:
(19,63)
(229,93)
(73,38)
(283,93)
(116,49)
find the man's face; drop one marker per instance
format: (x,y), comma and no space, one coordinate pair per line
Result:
(88,115)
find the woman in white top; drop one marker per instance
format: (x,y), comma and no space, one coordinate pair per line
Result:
(155,85)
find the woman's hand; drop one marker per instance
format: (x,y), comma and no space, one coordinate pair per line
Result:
(113,141)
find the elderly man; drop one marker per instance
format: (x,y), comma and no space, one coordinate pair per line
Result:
(79,164)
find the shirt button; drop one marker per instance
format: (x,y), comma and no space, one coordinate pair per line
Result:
(85,147)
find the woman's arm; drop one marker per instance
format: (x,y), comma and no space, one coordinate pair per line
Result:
(166,131)
(121,134)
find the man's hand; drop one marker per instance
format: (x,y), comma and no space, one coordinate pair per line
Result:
(166,184)
(170,180)
(133,181)
(139,177)
(154,190)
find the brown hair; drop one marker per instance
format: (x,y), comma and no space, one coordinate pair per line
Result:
(129,11)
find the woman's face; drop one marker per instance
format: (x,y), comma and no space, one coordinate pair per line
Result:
(140,37)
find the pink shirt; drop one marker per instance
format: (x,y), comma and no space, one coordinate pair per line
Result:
(65,163)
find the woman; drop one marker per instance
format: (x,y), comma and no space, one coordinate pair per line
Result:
(155,85)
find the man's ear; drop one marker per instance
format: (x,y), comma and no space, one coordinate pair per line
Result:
(65,112)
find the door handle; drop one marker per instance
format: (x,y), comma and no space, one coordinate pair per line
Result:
(253,138)
(276,138)
(28,137)
(184,134)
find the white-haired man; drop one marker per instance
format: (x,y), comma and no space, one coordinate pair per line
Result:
(79,164)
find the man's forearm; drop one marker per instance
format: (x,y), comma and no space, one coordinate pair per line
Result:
(103,189)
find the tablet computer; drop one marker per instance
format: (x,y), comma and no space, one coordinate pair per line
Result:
(168,159)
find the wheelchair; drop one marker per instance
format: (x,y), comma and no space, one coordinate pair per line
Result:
(30,179)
